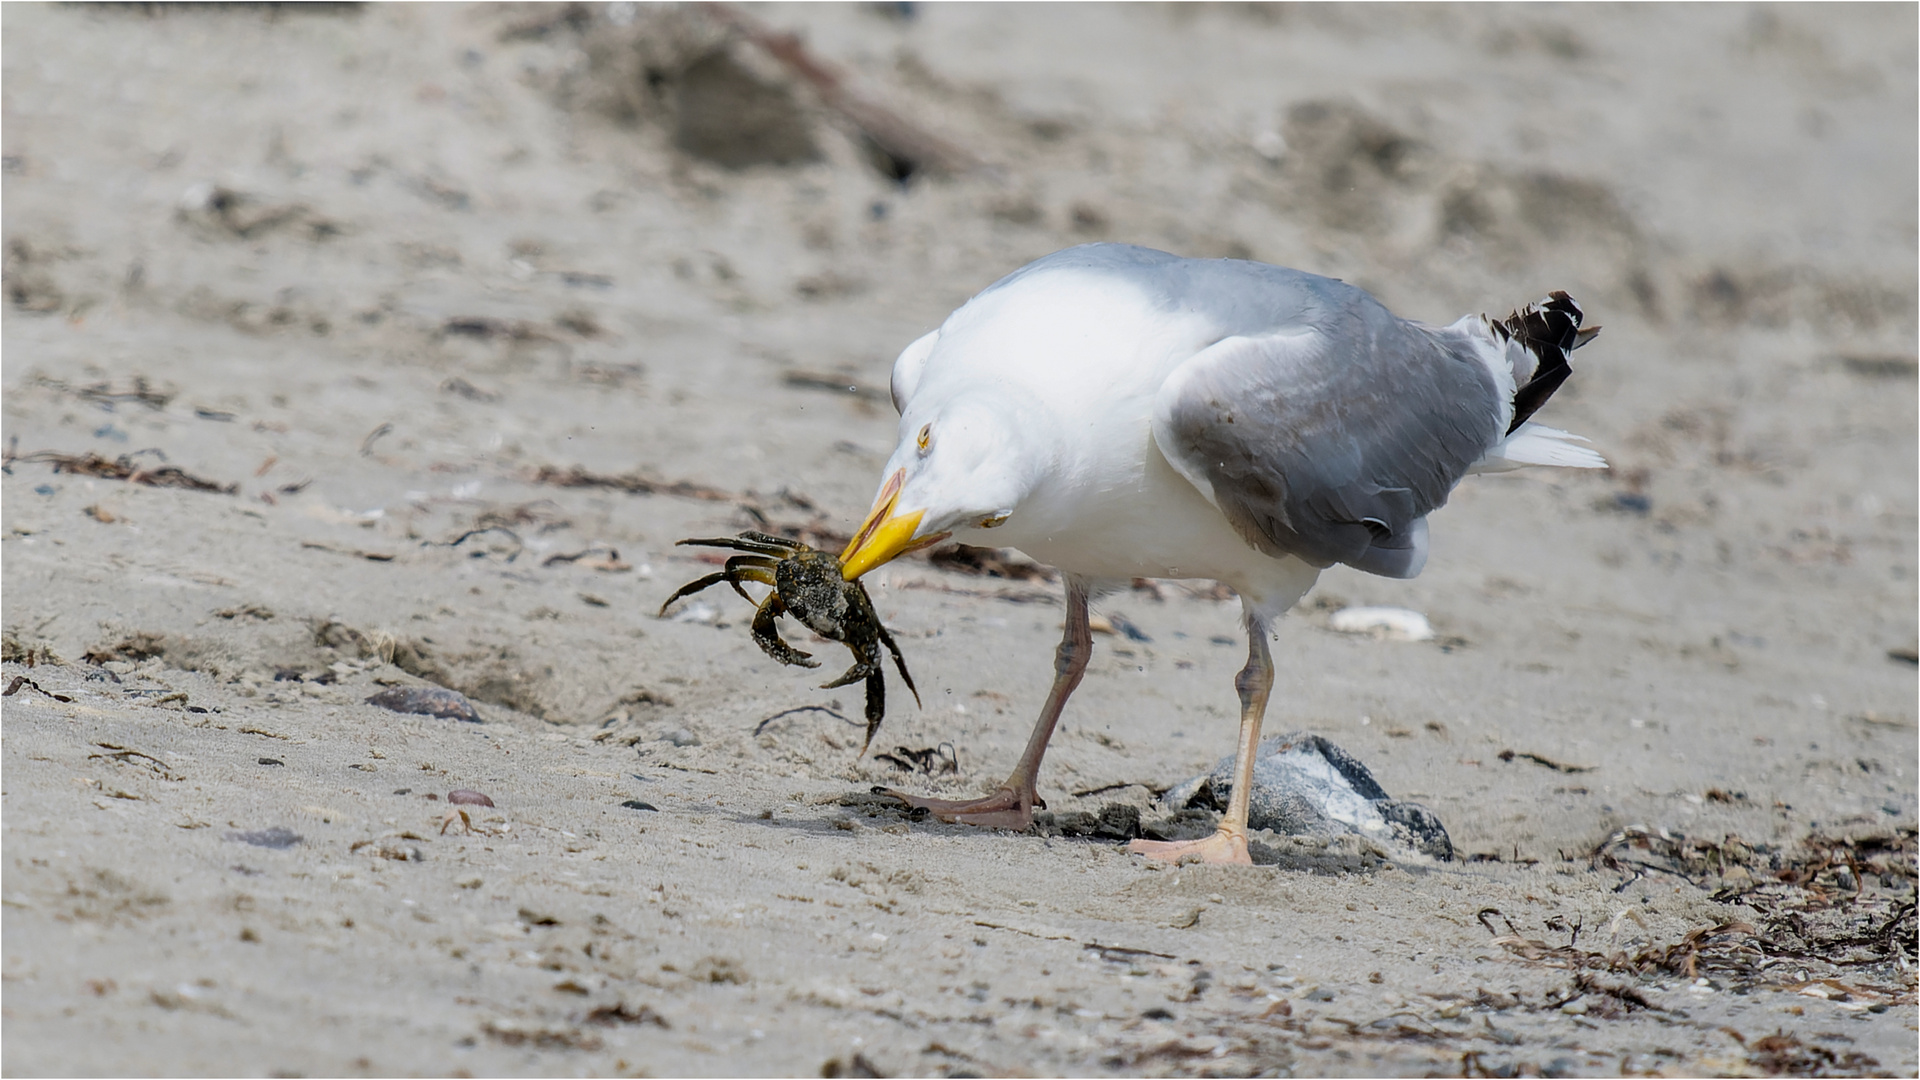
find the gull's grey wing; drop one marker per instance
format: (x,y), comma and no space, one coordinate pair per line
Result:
(1332,437)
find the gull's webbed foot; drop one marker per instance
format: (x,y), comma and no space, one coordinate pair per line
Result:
(1004,809)
(1221,847)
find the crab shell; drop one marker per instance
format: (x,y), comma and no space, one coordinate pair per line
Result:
(823,601)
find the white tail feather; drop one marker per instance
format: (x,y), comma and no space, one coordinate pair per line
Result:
(1535,444)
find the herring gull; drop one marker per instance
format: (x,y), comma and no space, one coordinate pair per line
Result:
(1119,412)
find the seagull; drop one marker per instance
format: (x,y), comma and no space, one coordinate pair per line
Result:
(1119,412)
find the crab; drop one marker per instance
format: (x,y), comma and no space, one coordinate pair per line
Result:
(808,585)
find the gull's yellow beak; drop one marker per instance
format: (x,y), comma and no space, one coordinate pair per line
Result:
(885,535)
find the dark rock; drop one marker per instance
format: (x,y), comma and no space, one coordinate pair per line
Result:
(1307,786)
(277,838)
(427,701)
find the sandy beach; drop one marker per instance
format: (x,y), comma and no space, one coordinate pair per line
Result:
(360,349)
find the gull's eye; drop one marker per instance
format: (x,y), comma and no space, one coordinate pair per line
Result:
(925,438)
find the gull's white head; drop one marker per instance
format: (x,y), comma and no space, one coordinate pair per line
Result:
(964,463)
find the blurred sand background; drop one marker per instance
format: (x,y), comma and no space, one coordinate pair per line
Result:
(400,273)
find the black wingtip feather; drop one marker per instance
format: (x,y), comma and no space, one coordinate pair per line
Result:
(1550,330)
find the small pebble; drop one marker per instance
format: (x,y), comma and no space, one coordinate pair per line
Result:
(1318,993)
(465,797)
(271,761)
(681,737)
(636,804)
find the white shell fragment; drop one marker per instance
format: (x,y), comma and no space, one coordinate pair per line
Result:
(1385,623)
(697,612)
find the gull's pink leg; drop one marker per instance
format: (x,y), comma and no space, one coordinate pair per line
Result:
(1011,807)
(1229,844)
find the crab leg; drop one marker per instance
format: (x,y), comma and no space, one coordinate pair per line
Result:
(781,542)
(876,706)
(757,571)
(692,587)
(861,669)
(749,568)
(900,662)
(768,638)
(757,543)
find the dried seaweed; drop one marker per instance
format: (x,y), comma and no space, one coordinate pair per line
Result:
(762,727)
(126,755)
(632,483)
(1833,917)
(593,557)
(1723,948)
(931,760)
(544,513)
(518,544)
(136,647)
(484,326)
(1780,1054)
(14,650)
(1538,759)
(110,394)
(124,468)
(21,680)
(622,1013)
(539,1038)
(358,553)
(1016,596)
(988,562)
